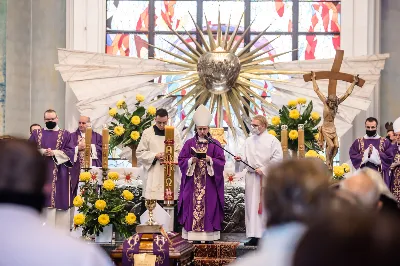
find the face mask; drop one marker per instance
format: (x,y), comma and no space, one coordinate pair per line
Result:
(255,131)
(51,124)
(370,133)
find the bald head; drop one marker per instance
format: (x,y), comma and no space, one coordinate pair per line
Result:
(364,188)
(83,123)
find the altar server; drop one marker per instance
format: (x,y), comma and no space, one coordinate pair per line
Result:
(201,198)
(260,151)
(56,146)
(150,154)
(372,151)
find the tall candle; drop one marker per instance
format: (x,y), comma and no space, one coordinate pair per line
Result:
(88,147)
(169,166)
(284,141)
(302,152)
(104,148)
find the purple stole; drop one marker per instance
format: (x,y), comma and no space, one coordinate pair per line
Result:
(160,250)
(395,186)
(199,193)
(362,149)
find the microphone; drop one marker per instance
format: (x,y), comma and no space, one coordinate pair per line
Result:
(210,140)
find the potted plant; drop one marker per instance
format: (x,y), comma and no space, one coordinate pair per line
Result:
(103,207)
(294,113)
(127,127)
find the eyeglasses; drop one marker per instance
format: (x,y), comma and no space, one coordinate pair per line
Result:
(254,126)
(83,123)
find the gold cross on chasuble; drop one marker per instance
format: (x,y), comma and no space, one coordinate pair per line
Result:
(334,75)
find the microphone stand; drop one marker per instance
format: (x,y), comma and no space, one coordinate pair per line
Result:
(211,141)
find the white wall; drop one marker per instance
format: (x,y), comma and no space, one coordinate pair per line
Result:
(86,31)
(360,35)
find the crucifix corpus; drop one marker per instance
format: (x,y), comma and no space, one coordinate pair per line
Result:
(327,132)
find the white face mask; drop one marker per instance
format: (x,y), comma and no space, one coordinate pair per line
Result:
(255,131)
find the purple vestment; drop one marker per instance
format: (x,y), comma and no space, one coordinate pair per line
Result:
(206,212)
(385,149)
(75,170)
(395,174)
(58,185)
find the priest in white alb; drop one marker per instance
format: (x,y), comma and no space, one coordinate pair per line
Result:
(150,154)
(260,151)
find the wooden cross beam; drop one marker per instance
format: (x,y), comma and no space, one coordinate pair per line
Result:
(334,75)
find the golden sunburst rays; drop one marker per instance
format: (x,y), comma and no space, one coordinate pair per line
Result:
(217,74)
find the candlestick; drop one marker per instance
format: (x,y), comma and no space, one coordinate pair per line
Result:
(169,166)
(88,147)
(104,148)
(302,152)
(284,141)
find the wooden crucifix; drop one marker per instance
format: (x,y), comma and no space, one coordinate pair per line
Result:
(327,132)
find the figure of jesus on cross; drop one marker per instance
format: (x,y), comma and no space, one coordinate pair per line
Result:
(327,132)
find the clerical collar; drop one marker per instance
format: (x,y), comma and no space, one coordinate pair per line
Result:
(373,137)
(158,132)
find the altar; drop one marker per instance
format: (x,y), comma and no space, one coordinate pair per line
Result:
(132,179)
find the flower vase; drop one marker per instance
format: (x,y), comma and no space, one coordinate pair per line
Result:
(134,158)
(105,236)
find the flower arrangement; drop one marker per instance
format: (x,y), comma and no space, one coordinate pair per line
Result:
(314,154)
(339,171)
(294,113)
(100,206)
(127,127)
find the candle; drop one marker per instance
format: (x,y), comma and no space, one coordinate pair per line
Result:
(284,141)
(169,166)
(88,147)
(104,148)
(169,132)
(301,149)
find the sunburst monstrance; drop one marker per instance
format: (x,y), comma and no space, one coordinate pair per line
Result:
(219,75)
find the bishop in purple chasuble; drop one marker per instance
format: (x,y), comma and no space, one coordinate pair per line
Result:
(385,149)
(58,185)
(201,197)
(78,159)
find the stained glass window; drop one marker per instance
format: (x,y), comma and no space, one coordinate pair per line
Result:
(309,28)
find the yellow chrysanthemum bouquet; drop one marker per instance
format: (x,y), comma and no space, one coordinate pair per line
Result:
(339,171)
(127,127)
(294,113)
(101,205)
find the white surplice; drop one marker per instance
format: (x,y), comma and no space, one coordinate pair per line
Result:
(260,151)
(151,144)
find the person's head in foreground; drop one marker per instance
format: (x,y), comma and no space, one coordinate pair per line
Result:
(296,191)
(365,186)
(350,237)
(22,174)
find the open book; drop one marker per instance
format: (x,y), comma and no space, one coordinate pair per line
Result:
(197,154)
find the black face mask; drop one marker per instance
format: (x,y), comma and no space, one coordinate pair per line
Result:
(370,133)
(51,124)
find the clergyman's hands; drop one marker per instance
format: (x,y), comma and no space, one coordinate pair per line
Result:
(81,146)
(259,172)
(49,152)
(194,160)
(160,156)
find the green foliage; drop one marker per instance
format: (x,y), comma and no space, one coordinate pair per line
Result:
(310,129)
(123,118)
(117,208)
